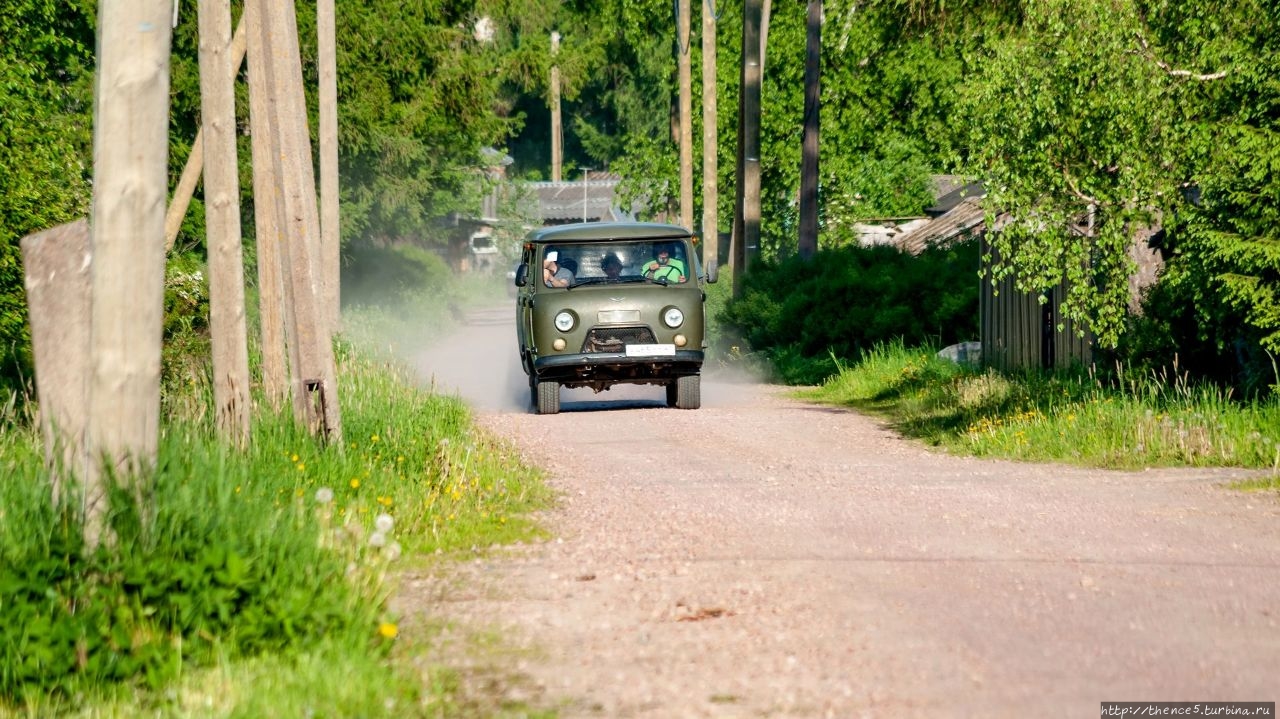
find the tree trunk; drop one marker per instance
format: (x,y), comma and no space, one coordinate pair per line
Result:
(130,179)
(809,152)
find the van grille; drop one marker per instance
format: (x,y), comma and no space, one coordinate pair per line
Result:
(616,339)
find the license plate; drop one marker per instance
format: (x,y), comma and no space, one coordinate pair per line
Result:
(657,350)
(613,317)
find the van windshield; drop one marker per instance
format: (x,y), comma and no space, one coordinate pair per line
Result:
(663,261)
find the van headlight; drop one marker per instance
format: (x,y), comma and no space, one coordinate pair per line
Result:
(565,320)
(672,317)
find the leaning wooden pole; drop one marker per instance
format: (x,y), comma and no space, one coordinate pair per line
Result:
(195,160)
(229,335)
(315,387)
(330,236)
(684,63)
(268,217)
(710,144)
(130,179)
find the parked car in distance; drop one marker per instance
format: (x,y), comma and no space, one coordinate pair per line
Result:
(605,303)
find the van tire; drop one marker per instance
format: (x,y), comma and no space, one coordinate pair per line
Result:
(547,395)
(687,392)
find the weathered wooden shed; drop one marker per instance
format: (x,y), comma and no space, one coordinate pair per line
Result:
(1017,331)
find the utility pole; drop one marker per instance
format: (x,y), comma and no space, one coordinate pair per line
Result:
(557,135)
(268,214)
(808,245)
(228,334)
(585,170)
(684,64)
(747,239)
(315,390)
(710,141)
(330,235)
(130,182)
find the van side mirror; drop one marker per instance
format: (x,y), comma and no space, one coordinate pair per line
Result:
(713,271)
(522,274)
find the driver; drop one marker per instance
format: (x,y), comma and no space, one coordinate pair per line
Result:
(664,266)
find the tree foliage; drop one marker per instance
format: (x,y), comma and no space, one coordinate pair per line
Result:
(46,49)
(1130,108)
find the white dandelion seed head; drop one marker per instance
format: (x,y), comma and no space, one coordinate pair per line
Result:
(324,495)
(384,523)
(377,539)
(393,551)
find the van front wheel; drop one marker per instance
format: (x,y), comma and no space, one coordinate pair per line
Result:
(685,392)
(547,396)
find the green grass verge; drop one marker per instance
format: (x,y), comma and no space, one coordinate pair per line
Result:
(255,582)
(1120,421)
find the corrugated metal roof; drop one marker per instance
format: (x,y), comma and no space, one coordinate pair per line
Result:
(593,200)
(957,223)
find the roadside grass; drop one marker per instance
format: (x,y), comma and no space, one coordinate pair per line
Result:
(1120,420)
(253,583)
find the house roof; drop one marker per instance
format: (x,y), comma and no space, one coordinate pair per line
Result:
(592,200)
(955,224)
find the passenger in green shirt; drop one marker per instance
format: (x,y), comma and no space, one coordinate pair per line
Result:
(665,267)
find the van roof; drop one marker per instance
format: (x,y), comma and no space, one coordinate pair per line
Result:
(594,231)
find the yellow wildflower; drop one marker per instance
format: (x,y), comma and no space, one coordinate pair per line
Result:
(388,630)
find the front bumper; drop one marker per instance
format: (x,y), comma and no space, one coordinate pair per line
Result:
(599,370)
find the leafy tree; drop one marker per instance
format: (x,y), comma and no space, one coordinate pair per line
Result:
(1123,107)
(46,59)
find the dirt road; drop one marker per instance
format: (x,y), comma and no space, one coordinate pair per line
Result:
(761,557)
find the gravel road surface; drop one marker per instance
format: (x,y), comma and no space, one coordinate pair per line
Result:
(762,557)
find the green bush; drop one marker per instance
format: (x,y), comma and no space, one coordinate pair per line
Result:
(846,300)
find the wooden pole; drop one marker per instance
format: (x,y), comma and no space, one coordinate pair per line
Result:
(808,245)
(557,133)
(684,62)
(229,335)
(710,145)
(330,234)
(56,264)
(267,213)
(315,385)
(130,178)
(195,161)
(749,145)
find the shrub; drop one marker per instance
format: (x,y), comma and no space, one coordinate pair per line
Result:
(846,300)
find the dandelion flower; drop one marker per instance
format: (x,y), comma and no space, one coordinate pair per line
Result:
(384,523)
(355,483)
(377,539)
(393,551)
(373,438)
(388,630)
(324,495)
